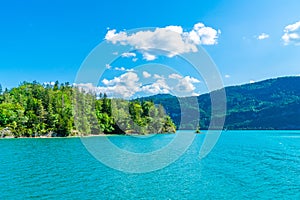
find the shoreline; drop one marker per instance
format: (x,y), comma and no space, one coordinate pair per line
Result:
(79,136)
(137,135)
(76,136)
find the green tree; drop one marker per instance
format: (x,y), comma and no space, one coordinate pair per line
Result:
(32,109)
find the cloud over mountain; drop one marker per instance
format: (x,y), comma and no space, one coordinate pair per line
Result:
(292,34)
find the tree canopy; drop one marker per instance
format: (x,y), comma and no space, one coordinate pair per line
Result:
(33,109)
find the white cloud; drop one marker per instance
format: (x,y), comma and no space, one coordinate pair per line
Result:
(204,35)
(128,54)
(134,59)
(171,39)
(251,81)
(175,76)
(127,77)
(123,69)
(156,76)
(146,74)
(120,68)
(129,84)
(124,86)
(148,56)
(87,87)
(185,86)
(159,86)
(107,66)
(177,29)
(292,34)
(227,76)
(178,85)
(263,36)
(49,83)
(112,36)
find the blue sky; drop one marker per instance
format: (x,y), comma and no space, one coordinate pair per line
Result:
(48,40)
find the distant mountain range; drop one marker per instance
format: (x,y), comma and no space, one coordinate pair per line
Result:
(268,104)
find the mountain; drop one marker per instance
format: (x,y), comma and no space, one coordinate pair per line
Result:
(268,104)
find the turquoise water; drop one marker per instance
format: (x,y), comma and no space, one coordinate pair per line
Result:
(243,164)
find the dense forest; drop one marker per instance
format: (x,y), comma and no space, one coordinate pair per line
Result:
(33,110)
(268,104)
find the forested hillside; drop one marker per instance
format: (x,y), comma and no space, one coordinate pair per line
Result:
(269,104)
(33,109)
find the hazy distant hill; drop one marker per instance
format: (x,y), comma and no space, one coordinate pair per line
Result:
(269,104)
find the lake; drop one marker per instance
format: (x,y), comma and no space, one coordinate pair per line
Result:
(243,164)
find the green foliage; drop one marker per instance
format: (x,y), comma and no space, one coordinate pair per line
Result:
(33,110)
(269,104)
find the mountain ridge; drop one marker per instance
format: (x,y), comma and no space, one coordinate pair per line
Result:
(267,104)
